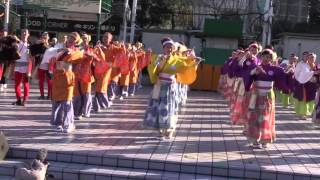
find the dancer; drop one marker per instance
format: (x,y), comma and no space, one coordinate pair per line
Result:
(82,99)
(102,71)
(261,114)
(63,84)
(161,112)
(305,91)
(22,70)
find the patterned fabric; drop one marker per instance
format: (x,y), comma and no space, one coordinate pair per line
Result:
(222,84)
(182,91)
(233,97)
(228,89)
(161,112)
(261,119)
(235,94)
(62,114)
(240,110)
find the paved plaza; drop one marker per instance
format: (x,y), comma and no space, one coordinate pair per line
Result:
(205,146)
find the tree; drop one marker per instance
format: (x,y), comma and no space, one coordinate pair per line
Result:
(154,12)
(165,13)
(314,12)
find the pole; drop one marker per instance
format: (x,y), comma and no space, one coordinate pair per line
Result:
(133,20)
(98,26)
(125,20)
(45,19)
(270,22)
(266,23)
(6,18)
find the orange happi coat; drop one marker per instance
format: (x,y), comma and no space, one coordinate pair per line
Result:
(83,73)
(64,79)
(125,68)
(103,68)
(117,62)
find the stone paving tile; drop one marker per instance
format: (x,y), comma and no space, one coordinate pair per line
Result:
(204,137)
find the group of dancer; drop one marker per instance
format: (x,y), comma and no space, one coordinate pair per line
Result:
(75,71)
(253,78)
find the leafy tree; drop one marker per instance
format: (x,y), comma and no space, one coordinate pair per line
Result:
(163,13)
(314,11)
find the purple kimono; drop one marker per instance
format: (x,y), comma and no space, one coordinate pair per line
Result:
(261,116)
(248,65)
(225,67)
(273,73)
(290,82)
(232,68)
(310,88)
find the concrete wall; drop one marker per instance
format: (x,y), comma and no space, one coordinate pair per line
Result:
(298,45)
(196,43)
(153,40)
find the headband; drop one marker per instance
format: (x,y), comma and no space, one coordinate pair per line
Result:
(169,41)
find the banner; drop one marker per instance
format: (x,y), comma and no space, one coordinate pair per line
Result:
(36,23)
(83,6)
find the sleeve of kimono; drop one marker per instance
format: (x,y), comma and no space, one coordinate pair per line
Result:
(152,69)
(230,68)
(182,63)
(75,56)
(247,80)
(98,54)
(186,70)
(279,80)
(235,67)
(140,62)
(246,73)
(135,59)
(224,68)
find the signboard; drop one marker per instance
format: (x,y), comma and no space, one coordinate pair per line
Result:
(83,6)
(36,23)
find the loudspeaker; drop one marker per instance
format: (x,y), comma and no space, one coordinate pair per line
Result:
(4,146)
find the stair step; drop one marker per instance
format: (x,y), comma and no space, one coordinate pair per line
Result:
(72,171)
(219,169)
(7,178)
